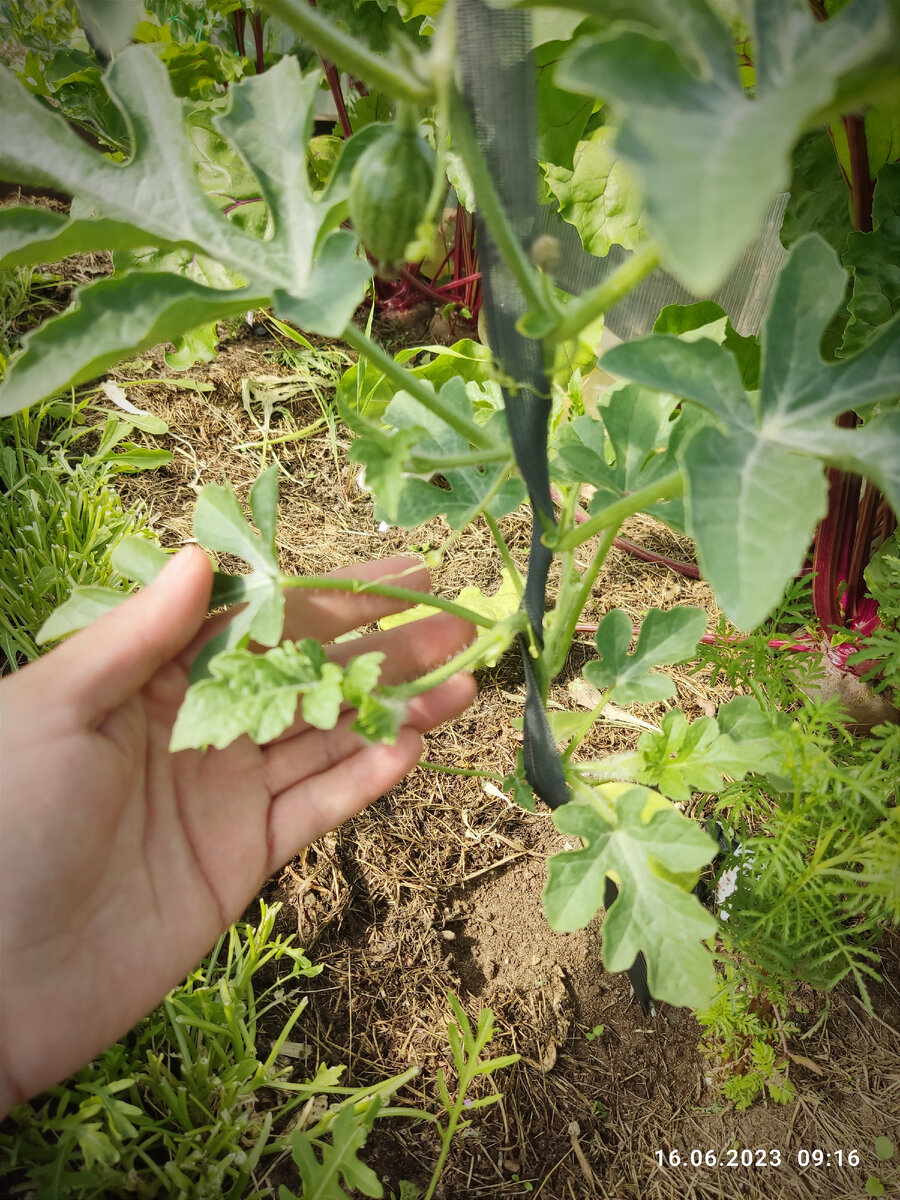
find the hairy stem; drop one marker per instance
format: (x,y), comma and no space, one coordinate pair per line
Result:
(422,465)
(570,607)
(503,549)
(467,772)
(486,648)
(598,300)
(360,587)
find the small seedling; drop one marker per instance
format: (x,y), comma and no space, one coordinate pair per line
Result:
(466,1046)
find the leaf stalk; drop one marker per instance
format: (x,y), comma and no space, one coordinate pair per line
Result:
(666,488)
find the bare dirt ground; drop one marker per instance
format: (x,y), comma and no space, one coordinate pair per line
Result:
(437,887)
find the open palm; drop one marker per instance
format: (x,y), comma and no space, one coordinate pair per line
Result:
(120,863)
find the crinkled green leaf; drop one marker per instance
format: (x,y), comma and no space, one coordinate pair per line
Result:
(633,835)
(111,319)
(883,577)
(630,443)
(874,260)
(755,487)
(708,319)
(220,525)
(561,116)
(819,197)
(598,195)
(197,345)
(666,637)
(689,133)
(379,718)
(312,275)
(361,675)
(257,694)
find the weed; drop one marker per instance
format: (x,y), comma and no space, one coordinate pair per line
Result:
(742,1032)
(60,518)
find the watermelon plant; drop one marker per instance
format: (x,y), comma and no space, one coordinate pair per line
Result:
(724,437)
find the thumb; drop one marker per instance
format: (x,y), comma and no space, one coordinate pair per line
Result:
(104,665)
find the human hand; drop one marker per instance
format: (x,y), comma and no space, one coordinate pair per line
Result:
(121,863)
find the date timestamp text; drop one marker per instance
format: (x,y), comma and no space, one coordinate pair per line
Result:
(758,1158)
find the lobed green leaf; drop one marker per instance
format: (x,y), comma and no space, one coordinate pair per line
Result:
(689,129)
(637,838)
(666,637)
(755,487)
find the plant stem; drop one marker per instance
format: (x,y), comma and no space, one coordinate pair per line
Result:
(490,207)
(600,299)
(466,772)
(408,382)
(589,720)
(666,488)
(503,549)
(570,607)
(352,55)
(422,465)
(862,185)
(256,23)
(298,435)
(503,634)
(360,587)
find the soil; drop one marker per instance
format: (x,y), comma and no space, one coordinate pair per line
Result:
(437,887)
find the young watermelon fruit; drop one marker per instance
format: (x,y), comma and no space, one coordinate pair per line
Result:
(390,186)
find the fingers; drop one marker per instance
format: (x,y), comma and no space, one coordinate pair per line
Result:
(102,666)
(318,805)
(319,802)
(315,751)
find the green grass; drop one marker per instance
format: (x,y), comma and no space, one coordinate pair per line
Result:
(199,1099)
(60,519)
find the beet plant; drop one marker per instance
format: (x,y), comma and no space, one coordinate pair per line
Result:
(724,437)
